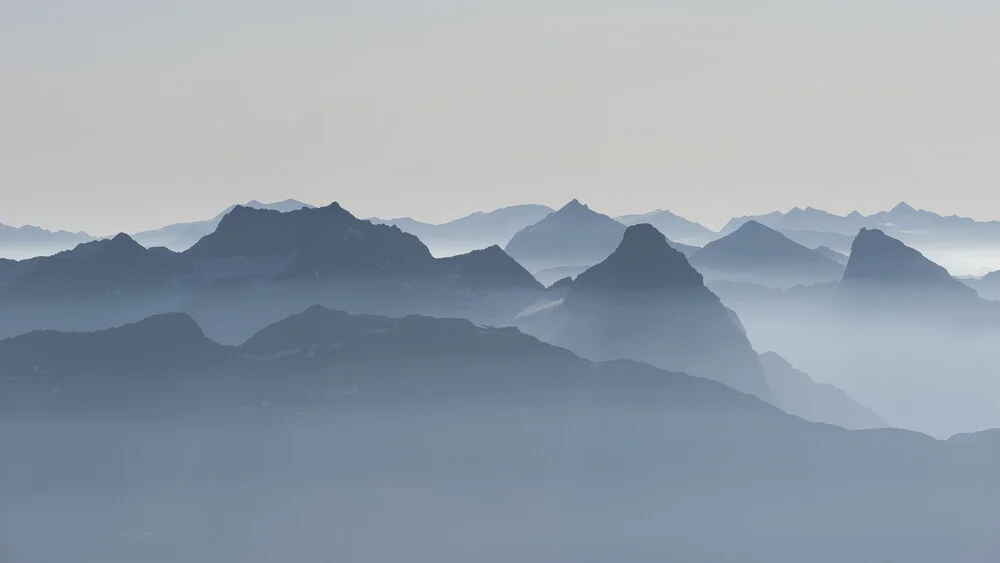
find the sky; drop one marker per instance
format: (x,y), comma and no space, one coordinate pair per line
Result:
(118,115)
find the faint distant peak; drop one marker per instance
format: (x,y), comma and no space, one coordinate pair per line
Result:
(903,207)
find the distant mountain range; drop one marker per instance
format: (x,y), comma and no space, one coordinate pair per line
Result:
(181,236)
(897,332)
(674,227)
(575,236)
(29,241)
(479,230)
(758,254)
(312,250)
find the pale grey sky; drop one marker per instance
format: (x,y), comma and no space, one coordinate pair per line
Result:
(121,115)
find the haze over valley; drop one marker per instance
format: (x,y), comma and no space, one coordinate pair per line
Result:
(539,282)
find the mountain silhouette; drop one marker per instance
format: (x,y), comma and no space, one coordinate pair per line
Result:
(574,235)
(674,227)
(102,268)
(475,231)
(832,254)
(758,254)
(488,269)
(362,404)
(181,236)
(28,241)
(878,260)
(805,220)
(645,302)
(794,392)
(157,343)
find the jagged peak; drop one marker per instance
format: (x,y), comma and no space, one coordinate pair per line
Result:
(574,205)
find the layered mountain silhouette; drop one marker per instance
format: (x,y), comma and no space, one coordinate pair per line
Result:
(181,236)
(879,262)
(102,268)
(805,220)
(479,230)
(28,241)
(645,302)
(265,264)
(436,411)
(794,392)
(575,235)
(674,227)
(987,286)
(758,254)
(832,254)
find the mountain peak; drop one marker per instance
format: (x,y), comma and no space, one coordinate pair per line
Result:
(903,207)
(122,240)
(574,205)
(489,269)
(878,258)
(644,260)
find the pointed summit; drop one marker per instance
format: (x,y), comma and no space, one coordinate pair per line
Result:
(489,269)
(572,236)
(645,302)
(643,261)
(903,207)
(123,243)
(878,259)
(573,205)
(758,254)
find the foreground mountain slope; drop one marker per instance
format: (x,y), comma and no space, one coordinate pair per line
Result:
(359,420)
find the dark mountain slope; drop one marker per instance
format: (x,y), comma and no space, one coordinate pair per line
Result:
(645,302)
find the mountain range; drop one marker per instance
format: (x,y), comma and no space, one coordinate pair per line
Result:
(758,254)
(283,260)
(323,412)
(472,232)
(181,236)
(897,332)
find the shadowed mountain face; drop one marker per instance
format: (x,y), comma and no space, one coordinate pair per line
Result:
(281,446)
(645,302)
(572,236)
(479,230)
(757,254)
